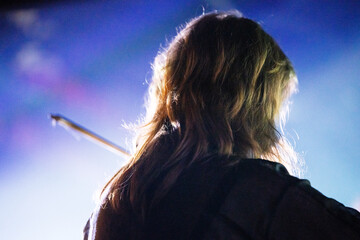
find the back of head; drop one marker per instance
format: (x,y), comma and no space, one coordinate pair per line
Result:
(219,86)
(221,83)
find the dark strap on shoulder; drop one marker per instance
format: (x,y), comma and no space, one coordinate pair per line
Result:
(215,201)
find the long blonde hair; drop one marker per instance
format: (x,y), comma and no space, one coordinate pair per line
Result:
(220,86)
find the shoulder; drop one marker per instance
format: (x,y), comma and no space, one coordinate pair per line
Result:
(266,202)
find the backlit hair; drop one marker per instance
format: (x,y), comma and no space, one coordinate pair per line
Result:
(220,85)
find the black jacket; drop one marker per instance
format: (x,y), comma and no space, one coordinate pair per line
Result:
(250,199)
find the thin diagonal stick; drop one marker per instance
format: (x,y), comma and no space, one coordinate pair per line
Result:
(67,123)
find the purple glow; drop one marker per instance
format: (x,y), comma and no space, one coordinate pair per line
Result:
(89,62)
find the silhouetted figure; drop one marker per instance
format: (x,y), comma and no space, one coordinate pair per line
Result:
(217,97)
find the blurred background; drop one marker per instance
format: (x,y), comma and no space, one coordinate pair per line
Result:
(91,62)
